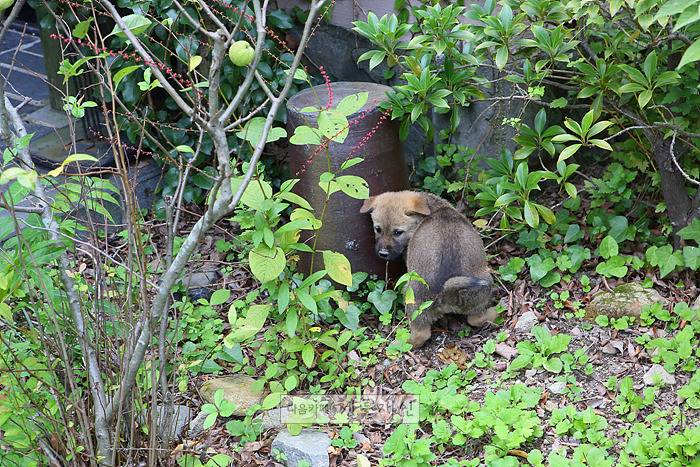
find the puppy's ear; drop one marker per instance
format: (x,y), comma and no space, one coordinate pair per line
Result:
(417,205)
(368,205)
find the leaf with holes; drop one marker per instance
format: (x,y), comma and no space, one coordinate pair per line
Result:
(353,186)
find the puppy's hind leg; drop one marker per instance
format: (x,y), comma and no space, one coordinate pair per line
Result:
(471,295)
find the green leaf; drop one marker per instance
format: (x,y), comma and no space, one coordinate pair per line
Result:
(352,104)
(338,267)
(671,8)
(353,186)
(553,365)
(691,231)
(255,193)
(137,24)
(568,151)
(608,247)
(307,355)
(307,300)
(247,327)
(305,135)
(253,130)
(81,29)
(72,158)
(691,55)
(266,263)
(531,216)
(194,62)
(219,297)
(350,162)
(501,57)
(333,125)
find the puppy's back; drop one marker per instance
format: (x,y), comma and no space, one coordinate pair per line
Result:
(444,246)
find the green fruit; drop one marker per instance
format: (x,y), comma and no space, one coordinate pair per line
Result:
(4,4)
(240,53)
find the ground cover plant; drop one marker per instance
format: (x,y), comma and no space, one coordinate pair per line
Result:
(590,216)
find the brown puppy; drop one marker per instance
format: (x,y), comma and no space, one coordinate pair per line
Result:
(443,247)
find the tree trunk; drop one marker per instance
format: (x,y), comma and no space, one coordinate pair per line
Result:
(679,205)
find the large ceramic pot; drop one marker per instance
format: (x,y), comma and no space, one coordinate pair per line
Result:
(344,229)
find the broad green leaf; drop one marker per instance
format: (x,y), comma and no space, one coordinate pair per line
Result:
(137,24)
(353,186)
(569,151)
(691,231)
(501,57)
(194,62)
(352,104)
(691,55)
(219,297)
(266,263)
(307,355)
(609,247)
(305,135)
(338,267)
(123,73)
(255,193)
(253,130)
(350,162)
(81,29)
(247,327)
(333,125)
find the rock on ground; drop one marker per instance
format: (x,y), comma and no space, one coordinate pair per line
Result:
(196,426)
(526,322)
(310,446)
(697,303)
(238,389)
(171,425)
(625,300)
(275,418)
(658,373)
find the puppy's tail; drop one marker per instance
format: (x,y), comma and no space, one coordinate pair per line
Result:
(470,293)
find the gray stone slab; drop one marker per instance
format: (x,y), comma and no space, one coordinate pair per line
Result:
(26,85)
(47,116)
(30,63)
(52,149)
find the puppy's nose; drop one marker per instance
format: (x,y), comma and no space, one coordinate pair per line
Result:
(384,254)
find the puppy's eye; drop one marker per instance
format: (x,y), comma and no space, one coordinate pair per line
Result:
(398,233)
(377,229)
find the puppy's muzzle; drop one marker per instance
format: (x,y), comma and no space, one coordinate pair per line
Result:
(383,253)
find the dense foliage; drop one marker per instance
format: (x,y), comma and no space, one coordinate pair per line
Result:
(598,187)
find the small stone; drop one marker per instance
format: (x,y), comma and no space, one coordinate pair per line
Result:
(275,418)
(238,389)
(658,373)
(310,446)
(171,425)
(696,305)
(625,300)
(506,351)
(531,373)
(557,388)
(526,322)
(201,284)
(196,426)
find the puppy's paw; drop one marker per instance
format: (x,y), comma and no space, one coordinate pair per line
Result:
(419,335)
(481,319)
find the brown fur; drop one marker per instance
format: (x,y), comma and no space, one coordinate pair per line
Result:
(443,247)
